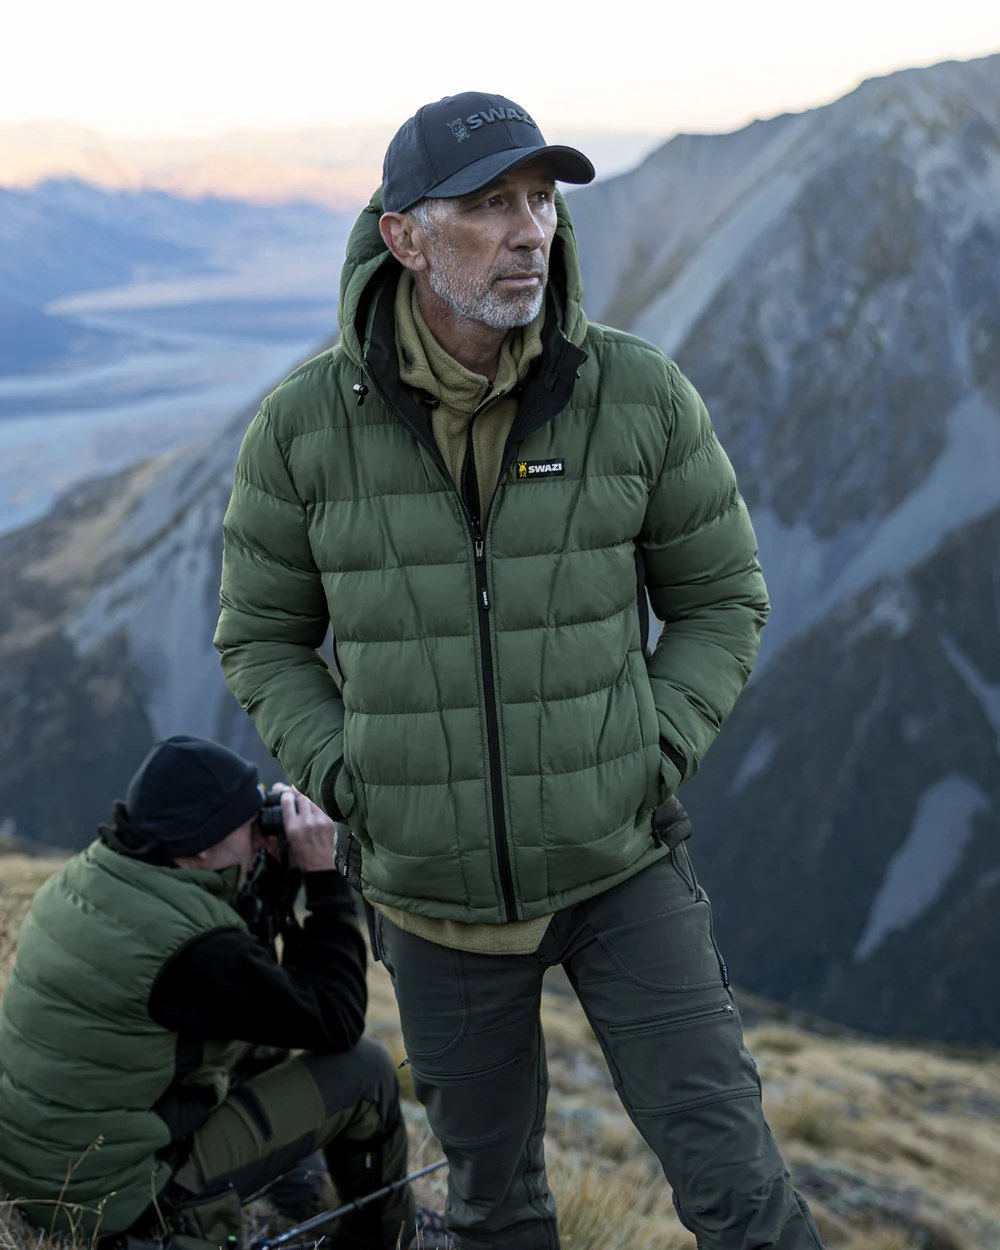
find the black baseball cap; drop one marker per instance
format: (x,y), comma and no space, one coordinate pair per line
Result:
(465,142)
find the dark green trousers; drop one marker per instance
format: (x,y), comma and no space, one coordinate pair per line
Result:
(346,1105)
(644,964)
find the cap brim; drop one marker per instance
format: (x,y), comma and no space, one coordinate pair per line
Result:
(567,165)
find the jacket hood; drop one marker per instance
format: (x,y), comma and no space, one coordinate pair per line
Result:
(369,263)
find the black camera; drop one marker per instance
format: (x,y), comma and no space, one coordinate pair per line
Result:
(267,899)
(272,822)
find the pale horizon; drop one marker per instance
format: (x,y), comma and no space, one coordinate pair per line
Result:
(208,69)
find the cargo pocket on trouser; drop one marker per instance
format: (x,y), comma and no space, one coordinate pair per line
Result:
(691,1088)
(653,986)
(490,1120)
(472,1034)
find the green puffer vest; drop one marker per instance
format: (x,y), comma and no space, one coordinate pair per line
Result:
(81,1061)
(501,736)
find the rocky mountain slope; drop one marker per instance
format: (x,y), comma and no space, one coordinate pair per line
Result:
(848,817)
(105,637)
(831,282)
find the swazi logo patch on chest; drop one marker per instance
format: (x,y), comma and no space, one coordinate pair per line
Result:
(527,469)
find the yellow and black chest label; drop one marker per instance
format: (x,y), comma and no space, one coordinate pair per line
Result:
(528,469)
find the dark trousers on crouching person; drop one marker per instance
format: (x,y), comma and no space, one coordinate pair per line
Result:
(346,1105)
(644,964)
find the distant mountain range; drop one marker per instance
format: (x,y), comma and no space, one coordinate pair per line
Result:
(132,321)
(66,237)
(337,167)
(831,282)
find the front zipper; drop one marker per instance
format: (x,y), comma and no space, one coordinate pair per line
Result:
(492,725)
(667,1023)
(485,645)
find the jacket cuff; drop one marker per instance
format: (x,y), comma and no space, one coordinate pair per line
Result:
(326,889)
(675,757)
(328,802)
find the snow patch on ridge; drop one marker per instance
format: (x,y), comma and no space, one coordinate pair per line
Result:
(165,605)
(931,855)
(892,610)
(756,761)
(986,694)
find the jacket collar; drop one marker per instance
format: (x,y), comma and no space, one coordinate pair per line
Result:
(545,392)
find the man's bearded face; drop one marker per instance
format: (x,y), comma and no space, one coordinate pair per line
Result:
(488,253)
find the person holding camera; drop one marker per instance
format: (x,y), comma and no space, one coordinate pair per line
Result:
(146,974)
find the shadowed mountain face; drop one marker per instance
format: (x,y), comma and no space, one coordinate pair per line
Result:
(848,817)
(105,638)
(831,282)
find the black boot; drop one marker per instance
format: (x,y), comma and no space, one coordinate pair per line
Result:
(360,1167)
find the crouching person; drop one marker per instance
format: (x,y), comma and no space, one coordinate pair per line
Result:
(145,972)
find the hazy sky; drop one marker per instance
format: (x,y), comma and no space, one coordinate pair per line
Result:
(194,66)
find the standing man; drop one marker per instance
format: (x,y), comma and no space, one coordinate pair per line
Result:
(476,488)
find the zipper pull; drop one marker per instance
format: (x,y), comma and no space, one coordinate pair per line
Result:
(480,549)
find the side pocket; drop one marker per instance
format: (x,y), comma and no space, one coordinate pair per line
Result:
(676,1020)
(645,707)
(373,920)
(343,791)
(649,732)
(670,777)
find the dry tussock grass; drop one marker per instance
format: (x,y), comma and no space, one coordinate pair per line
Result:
(896,1147)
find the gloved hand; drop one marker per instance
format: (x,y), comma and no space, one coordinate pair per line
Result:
(671,824)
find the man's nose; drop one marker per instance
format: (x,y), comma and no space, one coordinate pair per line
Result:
(526,232)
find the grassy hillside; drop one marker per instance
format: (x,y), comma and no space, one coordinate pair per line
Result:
(896,1147)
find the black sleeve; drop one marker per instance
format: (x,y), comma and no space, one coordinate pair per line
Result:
(226,985)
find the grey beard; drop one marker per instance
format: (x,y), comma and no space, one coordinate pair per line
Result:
(489,307)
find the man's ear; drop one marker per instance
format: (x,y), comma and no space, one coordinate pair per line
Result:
(400,234)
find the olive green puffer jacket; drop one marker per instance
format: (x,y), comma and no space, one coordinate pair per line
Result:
(501,737)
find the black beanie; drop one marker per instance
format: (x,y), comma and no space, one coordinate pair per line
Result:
(189,793)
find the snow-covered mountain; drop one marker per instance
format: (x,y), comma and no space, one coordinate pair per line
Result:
(831,282)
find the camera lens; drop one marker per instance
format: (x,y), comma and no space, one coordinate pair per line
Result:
(272,822)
